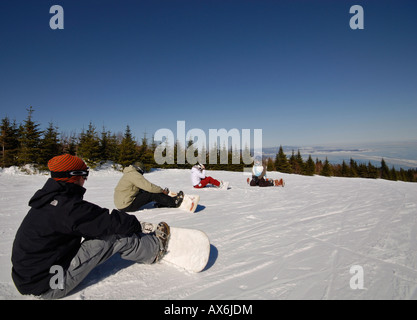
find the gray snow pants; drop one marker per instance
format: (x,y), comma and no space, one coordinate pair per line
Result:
(141,248)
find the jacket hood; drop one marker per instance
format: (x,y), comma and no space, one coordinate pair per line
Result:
(130,169)
(51,189)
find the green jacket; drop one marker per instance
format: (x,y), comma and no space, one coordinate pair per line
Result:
(130,185)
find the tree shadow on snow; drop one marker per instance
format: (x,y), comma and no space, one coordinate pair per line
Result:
(214,253)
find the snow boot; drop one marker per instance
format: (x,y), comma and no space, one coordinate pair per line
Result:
(279,183)
(163,234)
(178,199)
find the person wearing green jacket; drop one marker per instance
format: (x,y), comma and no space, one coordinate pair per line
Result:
(134,191)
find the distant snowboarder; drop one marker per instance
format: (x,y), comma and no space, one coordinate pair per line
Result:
(134,191)
(259,177)
(200,180)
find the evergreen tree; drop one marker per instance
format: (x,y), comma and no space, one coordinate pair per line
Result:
(214,157)
(411,175)
(393,174)
(69,143)
(372,171)
(203,156)
(270,166)
(128,153)
(146,155)
(164,154)
(300,163)
(310,167)
(319,165)
(152,150)
(327,169)
(247,158)
(89,146)
(223,158)
(180,156)
(337,170)
(113,147)
(30,137)
(50,146)
(345,172)
(235,162)
(108,146)
(353,168)
(194,153)
(103,142)
(281,162)
(177,146)
(362,170)
(143,147)
(385,172)
(402,175)
(293,163)
(9,143)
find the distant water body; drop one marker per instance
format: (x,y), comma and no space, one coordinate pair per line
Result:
(398,154)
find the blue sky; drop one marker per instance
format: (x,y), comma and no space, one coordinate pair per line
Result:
(294,69)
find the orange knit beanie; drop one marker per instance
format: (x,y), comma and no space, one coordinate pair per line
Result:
(67,168)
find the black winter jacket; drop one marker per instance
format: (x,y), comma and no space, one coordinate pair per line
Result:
(51,233)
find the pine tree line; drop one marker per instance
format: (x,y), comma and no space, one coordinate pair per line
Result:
(296,164)
(27,144)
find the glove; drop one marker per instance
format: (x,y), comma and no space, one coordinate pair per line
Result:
(147,227)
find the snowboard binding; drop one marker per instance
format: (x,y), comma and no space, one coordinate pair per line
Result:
(163,234)
(178,199)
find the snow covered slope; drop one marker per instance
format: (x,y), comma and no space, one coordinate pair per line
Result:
(297,242)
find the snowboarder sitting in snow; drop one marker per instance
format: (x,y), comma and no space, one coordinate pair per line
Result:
(50,236)
(133,191)
(199,179)
(259,177)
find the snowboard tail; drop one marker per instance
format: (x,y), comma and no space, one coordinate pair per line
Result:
(224,185)
(188,249)
(189,203)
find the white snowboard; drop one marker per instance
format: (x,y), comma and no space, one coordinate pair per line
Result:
(225,185)
(188,249)
(189,203)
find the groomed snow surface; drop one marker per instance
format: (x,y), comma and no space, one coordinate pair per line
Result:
(316,238)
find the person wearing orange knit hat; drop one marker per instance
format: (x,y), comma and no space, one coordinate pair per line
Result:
(63,237)
(67,168)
